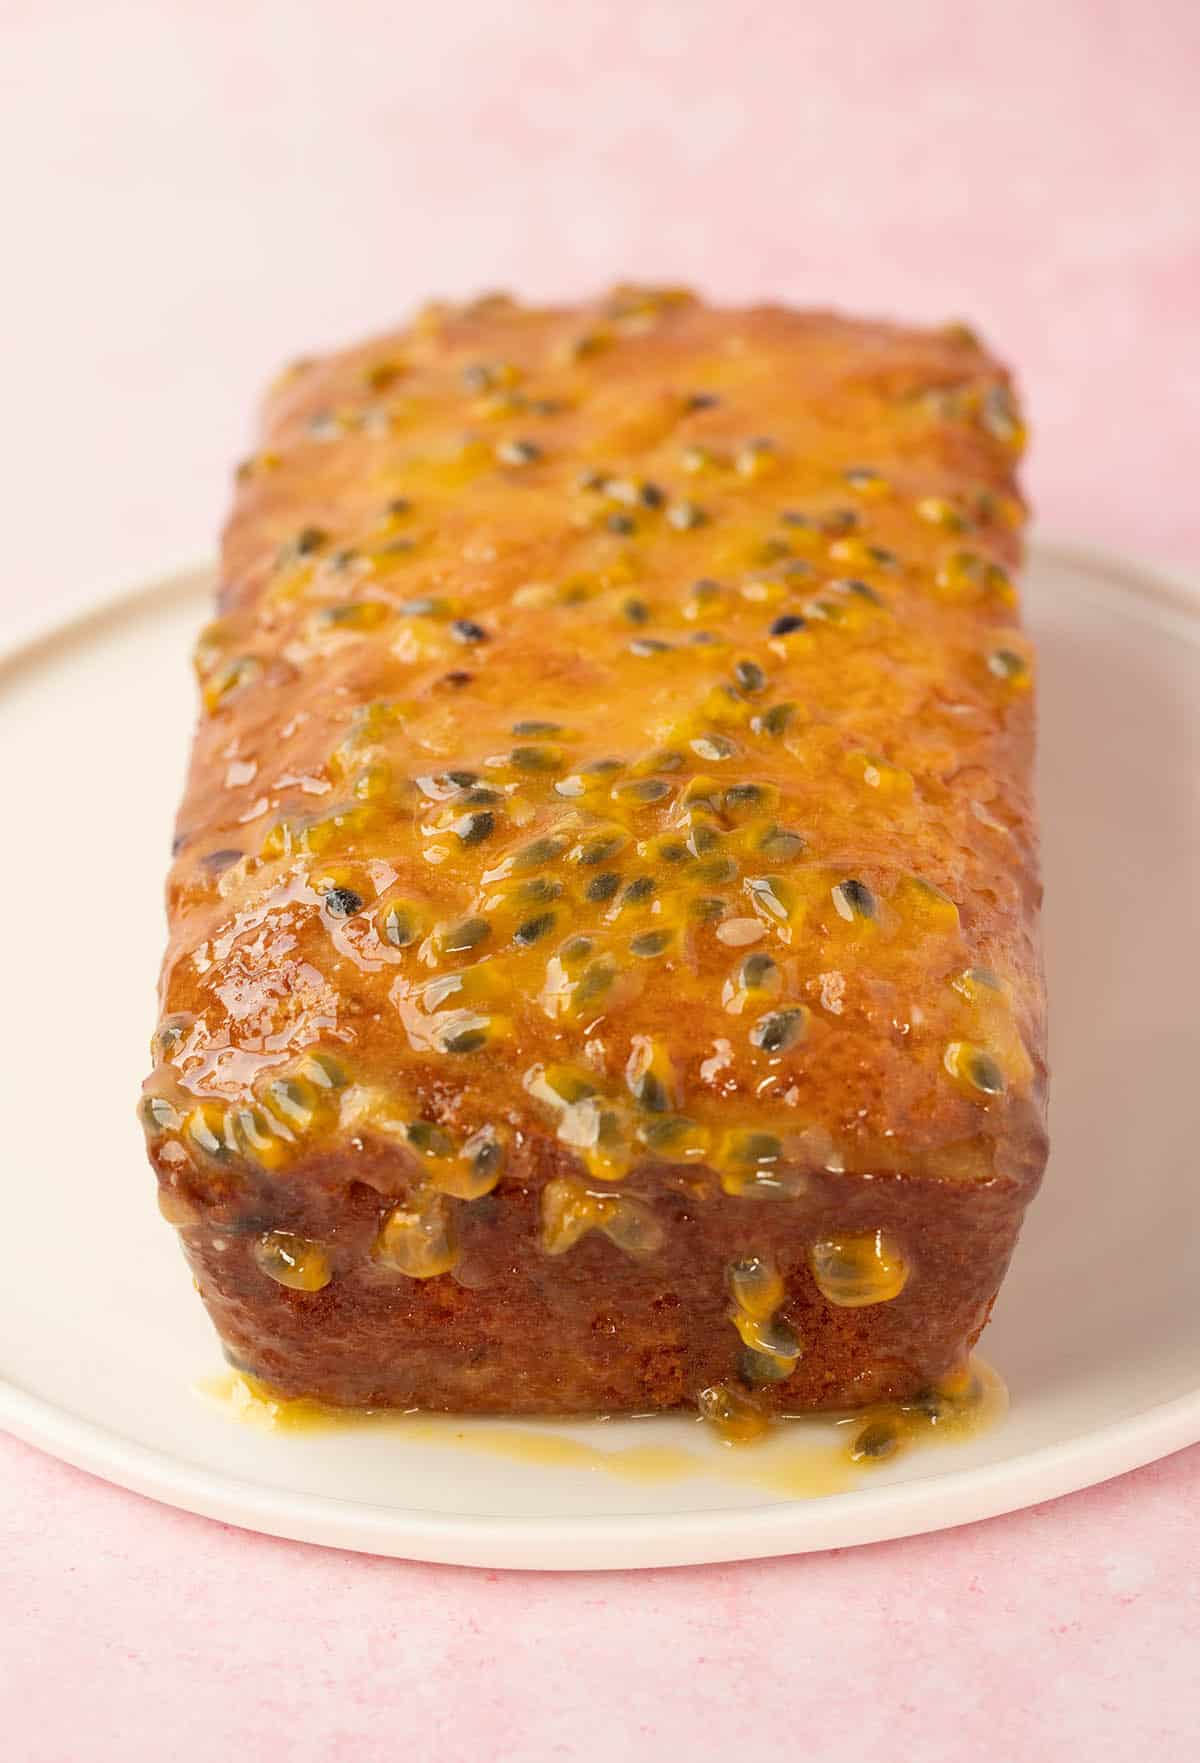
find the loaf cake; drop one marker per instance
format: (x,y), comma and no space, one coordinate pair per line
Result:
(603,966)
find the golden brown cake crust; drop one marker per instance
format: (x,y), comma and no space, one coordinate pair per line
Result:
(608,860)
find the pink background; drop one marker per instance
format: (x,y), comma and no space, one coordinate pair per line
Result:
(194,194)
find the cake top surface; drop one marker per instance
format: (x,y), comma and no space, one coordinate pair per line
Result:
(617,727)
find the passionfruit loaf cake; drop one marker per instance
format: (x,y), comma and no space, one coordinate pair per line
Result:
(603,968)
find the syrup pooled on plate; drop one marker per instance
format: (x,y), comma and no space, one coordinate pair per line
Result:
(801,1457)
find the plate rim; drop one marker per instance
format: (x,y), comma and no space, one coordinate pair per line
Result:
(597,1541)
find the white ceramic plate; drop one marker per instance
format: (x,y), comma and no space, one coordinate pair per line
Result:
(102,1338)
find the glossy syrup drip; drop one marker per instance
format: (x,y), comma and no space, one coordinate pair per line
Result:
(855,1271)
(771,1349)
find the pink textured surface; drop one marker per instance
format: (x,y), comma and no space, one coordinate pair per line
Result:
(192,197)
(1068,1631)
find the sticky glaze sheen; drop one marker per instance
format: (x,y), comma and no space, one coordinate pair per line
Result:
(608,854)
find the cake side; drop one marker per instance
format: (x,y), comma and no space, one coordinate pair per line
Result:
(608,863)
(598,1329)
